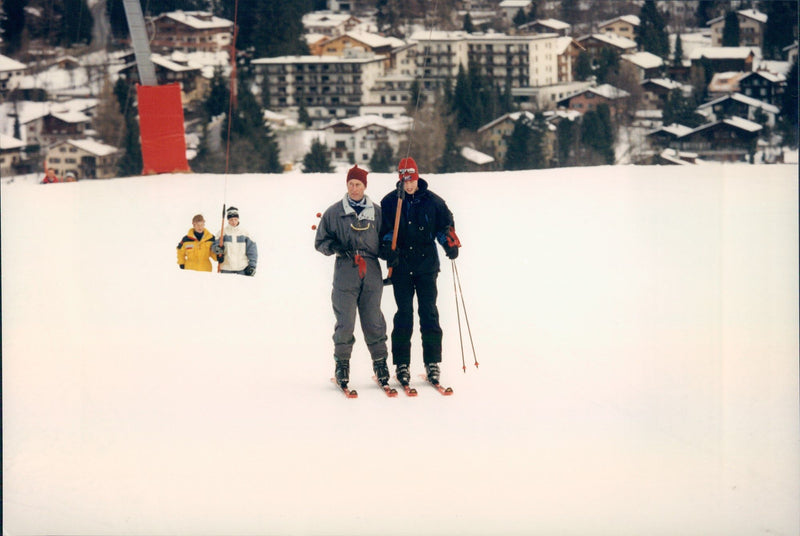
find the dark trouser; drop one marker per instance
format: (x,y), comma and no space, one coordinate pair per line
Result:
(404,286)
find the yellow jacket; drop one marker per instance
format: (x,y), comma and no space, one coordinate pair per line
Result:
(195,254)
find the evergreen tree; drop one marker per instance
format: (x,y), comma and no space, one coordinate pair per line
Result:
(597,133)
(463,100)
(788,118)
(677,58)
(780,28)
(302,114)
(583,66)
(206,160)
(76,23)
(537,155)
(218,100)
(468,26)
(131,161)
(383,159)
(730,32)
(681,110)
(13,25)
(108,117)
(566,136)
(317,160)
(517,153)
(451,160)
(651,34)
(269,28)
(520,18)
(607,65)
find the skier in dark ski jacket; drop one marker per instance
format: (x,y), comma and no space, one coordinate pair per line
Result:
(350,229)
(425,220)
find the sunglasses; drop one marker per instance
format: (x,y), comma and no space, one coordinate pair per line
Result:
(409,171)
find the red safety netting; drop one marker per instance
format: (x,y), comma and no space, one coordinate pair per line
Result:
(161,128)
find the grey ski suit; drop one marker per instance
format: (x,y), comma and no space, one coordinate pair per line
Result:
(346,234)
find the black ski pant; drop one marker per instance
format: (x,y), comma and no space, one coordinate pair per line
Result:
(405,285)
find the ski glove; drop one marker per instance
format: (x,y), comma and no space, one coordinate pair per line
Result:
(340,250)
(359,261)
(451,252)
(250,270)
(182,267)
(216,249)
(391,256)
(220,258)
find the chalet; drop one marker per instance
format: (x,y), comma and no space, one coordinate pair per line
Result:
(567,51)
(751,28)
(175,68)
(728,140)
(64,124)
(764,86)
(721,59)
(646,64)
(87,159)
(11,73)
(11,155)
(738,105)
(591,98)
(355,139)
(191,31)
(328,23)
(510,8)
(494,135)
(724,83)
(624,26)
(558,27)
(595,43)
(39,123)
(666,136)
(343,45)
(656,90)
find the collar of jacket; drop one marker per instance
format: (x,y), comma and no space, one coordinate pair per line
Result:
(367,214)
(206,235)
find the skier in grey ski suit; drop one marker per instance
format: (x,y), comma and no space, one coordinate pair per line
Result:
(350,229)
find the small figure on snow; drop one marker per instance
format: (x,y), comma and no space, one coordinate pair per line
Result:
(425,219)
(239,249)
(195,250)
(350,229)
(50,177)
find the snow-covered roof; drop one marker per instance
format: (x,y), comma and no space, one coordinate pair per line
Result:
(678,157)
(397,124)
(737,122)
(325,19)
(772,77)
(748,13)
(666,83)
(645,60)
(744,99)
(721,53)
(93,146)
(8,64)
(630,19)
(476,157)
(608,91)
(512,116)
(28,111)
(438,35)
(8,143)
(675,129)
(611,39)
(553,23)
(199,20)
(369,39)
(168,63)
(282,60)
(71,117)
(511,4)
(563,43)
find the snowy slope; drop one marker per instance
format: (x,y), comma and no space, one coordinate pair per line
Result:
(637,332)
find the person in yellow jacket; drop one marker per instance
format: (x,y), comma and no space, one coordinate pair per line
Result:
(198,247)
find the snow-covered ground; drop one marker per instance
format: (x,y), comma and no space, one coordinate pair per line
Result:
(636,328)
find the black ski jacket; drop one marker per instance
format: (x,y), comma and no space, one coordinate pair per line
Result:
(424,220)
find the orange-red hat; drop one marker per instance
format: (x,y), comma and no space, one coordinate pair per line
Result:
(408,170)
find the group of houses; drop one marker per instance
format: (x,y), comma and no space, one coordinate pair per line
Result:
(356,85)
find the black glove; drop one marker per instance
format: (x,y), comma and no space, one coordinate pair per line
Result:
(181,266)
(220,258)
(392,256)
(250,270)
(340,250)
(451,252)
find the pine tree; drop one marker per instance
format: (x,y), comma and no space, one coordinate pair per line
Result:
(677,58)
(451,160)
(730,32)
(13,25)
(681,110)
(108,117)
(383,159)
(218,99)
(317,160)
(468,26)
(566,137)
(520,18)
(583,67)
(779,30)
(597,134)
(651,34)
(517,152)
(788,118)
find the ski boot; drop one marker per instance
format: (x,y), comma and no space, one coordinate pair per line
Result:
(342,373)
(432,370)
(381,371)
(403,374)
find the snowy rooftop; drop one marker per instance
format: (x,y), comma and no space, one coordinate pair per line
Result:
(719,53)
(645,60)
(9,64)
(744,99)
(553,23)
(370,39)
(93,146)
(199,20)
(10,142)
(630,19)
(282,60)
(612,39)
(438,35)
(476,157)
(397,124)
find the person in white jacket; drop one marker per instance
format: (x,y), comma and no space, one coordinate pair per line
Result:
(241,253)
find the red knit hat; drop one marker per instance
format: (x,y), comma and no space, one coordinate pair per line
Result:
(358,174)
(408,170)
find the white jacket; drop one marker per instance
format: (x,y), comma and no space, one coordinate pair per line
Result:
(240,249)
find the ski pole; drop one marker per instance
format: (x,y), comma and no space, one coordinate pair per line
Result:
(221,236)
(388,280)
(458,318)
(466,317)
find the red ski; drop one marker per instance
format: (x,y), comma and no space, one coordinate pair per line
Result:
(446,391)
(390,392)
(349,393)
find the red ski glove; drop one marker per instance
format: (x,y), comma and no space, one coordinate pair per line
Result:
(452,239)
(362,265)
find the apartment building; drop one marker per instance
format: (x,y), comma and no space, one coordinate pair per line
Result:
(191,31)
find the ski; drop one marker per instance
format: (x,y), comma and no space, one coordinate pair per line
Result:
(446,391)
(349,393)
(410,391)
(390,391)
